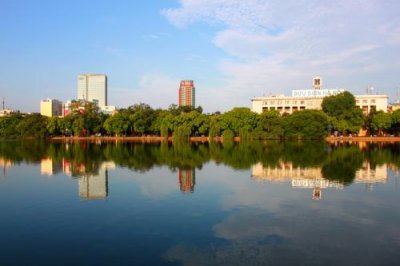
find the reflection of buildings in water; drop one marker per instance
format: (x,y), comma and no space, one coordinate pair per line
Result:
(370,176)
(187,180)
(317,194)
(49,167)
(312,177)
(92,187)
(4,163)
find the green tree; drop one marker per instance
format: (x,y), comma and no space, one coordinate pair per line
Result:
(346,117)
(239,118)
(381,122)
(8,125)
(163,123)
(228,135)
(54,126)
(337,105)
(141,117)
(396,122)
(33,125)
(307,124)
(215,126)
(270,125)
(117,124)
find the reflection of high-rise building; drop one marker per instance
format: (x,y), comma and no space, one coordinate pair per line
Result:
(187,180)
(49,167)
(187,93)
(92,187)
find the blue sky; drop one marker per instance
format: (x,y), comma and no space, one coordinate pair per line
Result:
(233,49)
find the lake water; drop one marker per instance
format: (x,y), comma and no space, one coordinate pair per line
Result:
(203,204)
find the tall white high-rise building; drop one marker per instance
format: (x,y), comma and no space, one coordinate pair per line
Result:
(93,88)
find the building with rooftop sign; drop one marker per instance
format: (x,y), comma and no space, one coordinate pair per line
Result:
(312,99)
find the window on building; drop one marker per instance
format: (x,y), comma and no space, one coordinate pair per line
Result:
(372,100)
(365,101)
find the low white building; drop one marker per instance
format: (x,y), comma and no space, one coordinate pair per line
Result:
(312,99)
(6,111)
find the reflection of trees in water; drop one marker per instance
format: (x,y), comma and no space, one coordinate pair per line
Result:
(338,162)
(342,163)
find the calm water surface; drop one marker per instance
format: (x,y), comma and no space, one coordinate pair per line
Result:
(248,204)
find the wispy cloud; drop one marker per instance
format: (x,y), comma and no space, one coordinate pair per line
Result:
(154,36)
(276,46)
(156,89)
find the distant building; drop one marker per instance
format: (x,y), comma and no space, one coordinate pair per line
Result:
(66,108)
(187,93)
(6,111)
(312,99)
(393,107)
(50,107)
(93,88)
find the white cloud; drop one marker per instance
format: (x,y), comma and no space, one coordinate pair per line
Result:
(274,46)
(156,89)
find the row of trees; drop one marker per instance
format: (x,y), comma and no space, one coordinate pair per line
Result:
(338,114)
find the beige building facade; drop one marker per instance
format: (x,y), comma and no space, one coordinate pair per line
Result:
(50,108)
(93,88)
(312,99)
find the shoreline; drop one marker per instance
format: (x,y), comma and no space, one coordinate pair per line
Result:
(203,139)
(145,139)
(363,139)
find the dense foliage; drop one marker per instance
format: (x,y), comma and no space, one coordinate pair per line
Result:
(344,116)
(339,115)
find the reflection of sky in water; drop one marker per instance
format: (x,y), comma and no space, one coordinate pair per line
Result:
(230,219)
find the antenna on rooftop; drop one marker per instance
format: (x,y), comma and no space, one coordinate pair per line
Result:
(369,89)
(4,98)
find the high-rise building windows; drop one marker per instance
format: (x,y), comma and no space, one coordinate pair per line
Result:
(186,93)
(93,88)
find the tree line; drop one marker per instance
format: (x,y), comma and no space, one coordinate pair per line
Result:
(339,115)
